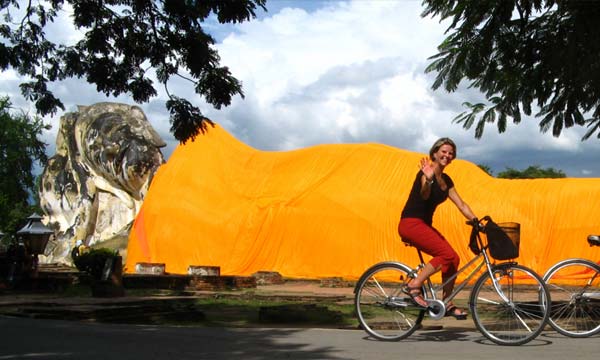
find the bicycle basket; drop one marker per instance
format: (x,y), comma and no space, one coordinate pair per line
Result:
(503,239)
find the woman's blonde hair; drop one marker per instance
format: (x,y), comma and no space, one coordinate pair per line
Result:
(439,143)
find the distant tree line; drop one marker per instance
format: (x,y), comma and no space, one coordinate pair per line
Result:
(532,172)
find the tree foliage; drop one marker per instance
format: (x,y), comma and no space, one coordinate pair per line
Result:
(125,42)
(93,261)
(532,172)
(20,148)
(486,169)
(521,54)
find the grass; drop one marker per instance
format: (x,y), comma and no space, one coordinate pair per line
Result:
(252,312)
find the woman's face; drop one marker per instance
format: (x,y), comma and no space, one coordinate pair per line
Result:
(444,155)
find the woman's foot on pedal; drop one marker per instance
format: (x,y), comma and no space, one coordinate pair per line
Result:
(415,295)
(455,312)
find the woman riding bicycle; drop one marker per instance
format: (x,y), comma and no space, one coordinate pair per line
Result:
(431,188)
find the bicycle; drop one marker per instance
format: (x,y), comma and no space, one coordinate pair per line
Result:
(574,286)
(508,302)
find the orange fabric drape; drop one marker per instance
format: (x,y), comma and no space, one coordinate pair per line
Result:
(332,210)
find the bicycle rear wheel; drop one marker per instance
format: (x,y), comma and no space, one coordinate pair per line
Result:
(383,310)
(512,307)
(574,286)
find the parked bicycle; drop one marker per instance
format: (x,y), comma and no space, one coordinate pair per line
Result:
(574,285)
(509,302)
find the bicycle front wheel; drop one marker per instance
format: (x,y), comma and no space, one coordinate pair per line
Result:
(574,286)
(383,310)
(510,307)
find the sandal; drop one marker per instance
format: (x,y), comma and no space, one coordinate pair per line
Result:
(455,312)
(416,295)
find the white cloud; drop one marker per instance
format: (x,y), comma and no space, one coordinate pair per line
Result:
(340,73)
(354,72)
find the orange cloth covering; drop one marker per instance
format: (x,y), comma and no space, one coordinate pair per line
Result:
(333,210)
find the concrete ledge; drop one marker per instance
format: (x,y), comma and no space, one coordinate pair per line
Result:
(201,270)
(146,281)
(268,278)
(212,283)
(187,282)
(335,282)
(44,282)
(150,268)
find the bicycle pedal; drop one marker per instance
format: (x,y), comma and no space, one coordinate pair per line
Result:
(436,309)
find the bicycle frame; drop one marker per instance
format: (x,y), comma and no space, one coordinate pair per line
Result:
(590,295)
(483,256)
(433,289)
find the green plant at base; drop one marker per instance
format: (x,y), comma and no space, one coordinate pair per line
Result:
(94,260)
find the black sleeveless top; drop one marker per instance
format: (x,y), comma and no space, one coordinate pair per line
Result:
(417,207)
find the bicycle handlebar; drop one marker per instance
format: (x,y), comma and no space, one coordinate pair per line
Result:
(477,227)
(477,223)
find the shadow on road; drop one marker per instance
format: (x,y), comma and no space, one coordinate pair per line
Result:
(55,339)
(441,335)
(461,335)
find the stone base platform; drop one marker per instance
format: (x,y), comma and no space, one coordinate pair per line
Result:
(47,279)
(58,278)
(187,282)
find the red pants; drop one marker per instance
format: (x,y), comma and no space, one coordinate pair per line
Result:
(427,239)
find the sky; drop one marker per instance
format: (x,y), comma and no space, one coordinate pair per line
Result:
(320,72)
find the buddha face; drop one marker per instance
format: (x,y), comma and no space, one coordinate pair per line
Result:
(122,150)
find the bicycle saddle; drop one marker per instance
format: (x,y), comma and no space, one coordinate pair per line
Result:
(405,242)
(594,240)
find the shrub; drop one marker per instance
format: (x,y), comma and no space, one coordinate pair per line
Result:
(94,260)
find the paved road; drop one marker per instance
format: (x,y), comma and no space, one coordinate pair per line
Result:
(23,338)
